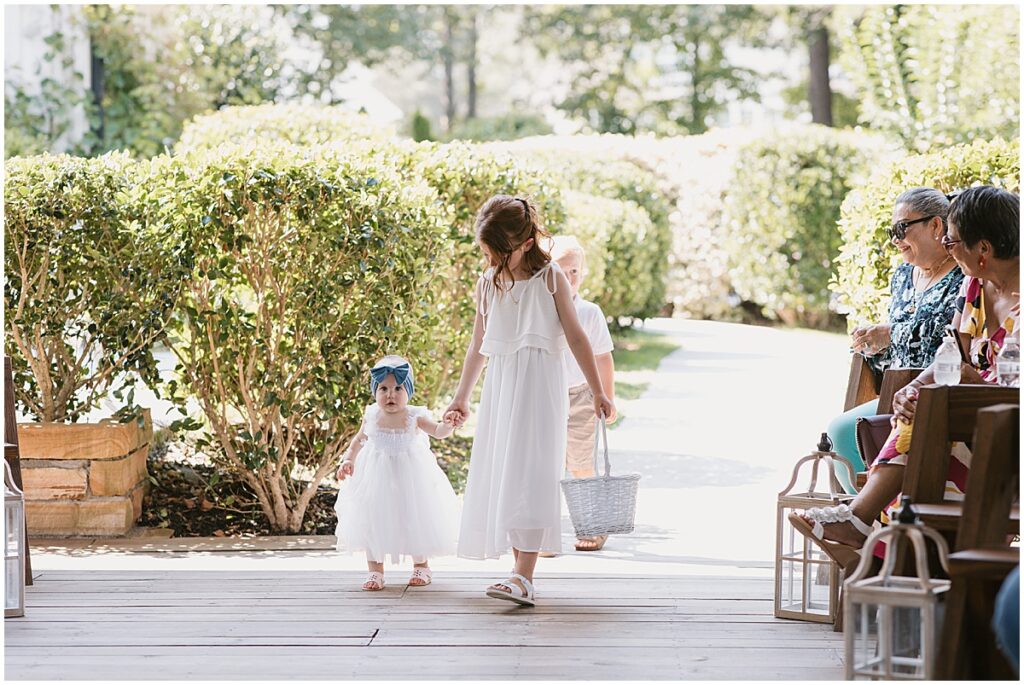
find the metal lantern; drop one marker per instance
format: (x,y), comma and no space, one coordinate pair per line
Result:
(14,546)
(891,621)
(806,579)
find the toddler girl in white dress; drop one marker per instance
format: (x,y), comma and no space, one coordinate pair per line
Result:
(394,499)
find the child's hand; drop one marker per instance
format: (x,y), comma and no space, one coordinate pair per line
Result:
(604,407)
(456,413)
(346,469)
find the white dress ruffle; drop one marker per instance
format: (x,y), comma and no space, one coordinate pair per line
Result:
(398,501)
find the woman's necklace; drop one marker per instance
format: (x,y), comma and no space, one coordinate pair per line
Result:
(920,290)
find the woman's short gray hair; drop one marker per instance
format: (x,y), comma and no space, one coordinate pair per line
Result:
(925,201)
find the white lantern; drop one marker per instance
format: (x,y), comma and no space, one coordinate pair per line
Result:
(806,579)
(14,546)
(892,622)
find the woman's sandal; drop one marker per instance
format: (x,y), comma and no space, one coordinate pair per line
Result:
(839,552)
(591,544)
(421,575)
(376,578)
(515,594)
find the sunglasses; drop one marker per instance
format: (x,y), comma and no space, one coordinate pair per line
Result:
(948,242)
(898,231)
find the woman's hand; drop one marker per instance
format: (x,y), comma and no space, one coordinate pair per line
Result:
(904,403)
(456,413)
(604,407)
(871,339)
(346,469)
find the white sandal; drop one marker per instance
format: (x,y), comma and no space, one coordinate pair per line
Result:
(421,573)
(522,596)
(841,553)
(374,577)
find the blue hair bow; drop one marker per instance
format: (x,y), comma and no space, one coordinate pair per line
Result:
(402,374)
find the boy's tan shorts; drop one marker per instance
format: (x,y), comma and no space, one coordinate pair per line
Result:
(579,453)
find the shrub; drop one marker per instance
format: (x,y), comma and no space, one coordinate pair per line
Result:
(421,127)
(89,285)
(867,258)
(307,268)
(269,124)
(506,127)
(616,179)
(615,235)
(781,213)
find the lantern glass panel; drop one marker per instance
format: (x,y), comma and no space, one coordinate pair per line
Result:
(12,528)
(806,574)
(889,641)
(12,574)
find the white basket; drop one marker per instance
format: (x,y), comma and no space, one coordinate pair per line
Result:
(602,505)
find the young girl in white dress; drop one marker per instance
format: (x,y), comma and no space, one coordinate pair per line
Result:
(525,318)
(394,499)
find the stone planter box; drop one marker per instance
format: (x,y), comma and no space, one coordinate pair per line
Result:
(84,478)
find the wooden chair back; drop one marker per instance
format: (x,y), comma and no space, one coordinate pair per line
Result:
(945,413)
(993,483)
(863,384)
(983,558)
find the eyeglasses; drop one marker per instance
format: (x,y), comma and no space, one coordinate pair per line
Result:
(948,242)
(898,231)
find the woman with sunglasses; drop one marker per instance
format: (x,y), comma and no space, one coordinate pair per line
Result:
(924,290)
(983,236)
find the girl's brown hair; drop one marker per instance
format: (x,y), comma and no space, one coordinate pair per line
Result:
(503,224)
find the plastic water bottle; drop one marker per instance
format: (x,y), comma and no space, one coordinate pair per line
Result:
(947,362)
(1008,364)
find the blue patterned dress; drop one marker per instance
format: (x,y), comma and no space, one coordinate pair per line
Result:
(917,319)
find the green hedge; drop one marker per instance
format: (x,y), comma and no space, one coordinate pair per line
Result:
(621,272)
(307,268)
(613,178)
(781,213)
(260,125)
(867,258)
(89,285)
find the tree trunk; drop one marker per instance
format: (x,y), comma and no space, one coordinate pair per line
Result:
(471,67)
(820,90)
(449,68)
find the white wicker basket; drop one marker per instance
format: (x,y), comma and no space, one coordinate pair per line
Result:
(602,505)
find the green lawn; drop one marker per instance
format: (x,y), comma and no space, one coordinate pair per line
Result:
(637,356)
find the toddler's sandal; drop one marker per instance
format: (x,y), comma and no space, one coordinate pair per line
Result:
(374,582)
(420,576)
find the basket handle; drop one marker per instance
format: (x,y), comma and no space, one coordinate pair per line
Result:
(597,442)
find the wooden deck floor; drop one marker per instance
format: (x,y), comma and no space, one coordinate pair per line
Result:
(221,625)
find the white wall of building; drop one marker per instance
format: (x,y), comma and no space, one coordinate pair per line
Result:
(25,29)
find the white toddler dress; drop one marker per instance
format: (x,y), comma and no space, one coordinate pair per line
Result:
(398,500)
(512,493)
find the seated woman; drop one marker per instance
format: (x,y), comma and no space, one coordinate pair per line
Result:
(924,290)
(983,236)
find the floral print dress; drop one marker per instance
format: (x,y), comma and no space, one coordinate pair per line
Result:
(917,319)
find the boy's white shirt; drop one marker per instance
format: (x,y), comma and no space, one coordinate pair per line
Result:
(596,327)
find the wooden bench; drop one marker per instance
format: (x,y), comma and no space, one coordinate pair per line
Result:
(983,559)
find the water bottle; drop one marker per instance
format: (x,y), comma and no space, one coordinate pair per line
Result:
(947,362)
(1008,364)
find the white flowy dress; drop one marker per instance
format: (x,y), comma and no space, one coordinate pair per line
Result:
(398,500)
(512,493)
